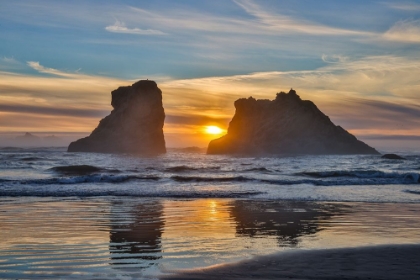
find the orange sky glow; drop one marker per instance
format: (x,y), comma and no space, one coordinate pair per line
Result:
(72,102)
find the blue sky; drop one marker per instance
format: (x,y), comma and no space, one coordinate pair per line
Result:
(357,60)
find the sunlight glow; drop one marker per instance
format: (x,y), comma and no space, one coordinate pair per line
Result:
(213,130)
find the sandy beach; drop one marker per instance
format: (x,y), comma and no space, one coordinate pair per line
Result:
(145,238)
(377,262)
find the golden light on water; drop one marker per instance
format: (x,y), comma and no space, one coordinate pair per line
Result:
(213,130)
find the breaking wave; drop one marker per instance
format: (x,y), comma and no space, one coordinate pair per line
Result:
(131,193)
(211,179)
(97,178)
(184,168)
(366,174)
(261,169)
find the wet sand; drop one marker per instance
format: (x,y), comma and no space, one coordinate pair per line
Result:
(377,262)
(147,238)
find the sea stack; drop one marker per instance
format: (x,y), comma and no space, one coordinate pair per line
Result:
(135,125)
(285,125)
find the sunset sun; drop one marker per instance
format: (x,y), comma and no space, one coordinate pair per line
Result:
(213,130)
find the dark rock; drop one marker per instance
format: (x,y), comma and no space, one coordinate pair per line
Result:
(392,156)
(76,169)
(286,125)
(134,126)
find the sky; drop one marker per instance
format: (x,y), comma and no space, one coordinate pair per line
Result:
(358,61)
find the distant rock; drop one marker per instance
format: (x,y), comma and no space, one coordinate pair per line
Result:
(54,141)
(392,156)
(286,125)
(52,138)
(28,139)
(134,126)
(28,136)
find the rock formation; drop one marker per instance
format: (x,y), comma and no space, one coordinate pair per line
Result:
(27,140)
(286,125)
(392,156)
(134,126)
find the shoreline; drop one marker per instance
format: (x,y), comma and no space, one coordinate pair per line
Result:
(370,262)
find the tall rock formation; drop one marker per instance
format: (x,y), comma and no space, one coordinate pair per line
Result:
(286,125)
(134,126)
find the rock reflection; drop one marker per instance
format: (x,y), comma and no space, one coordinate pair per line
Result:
(287,220)
(135,234)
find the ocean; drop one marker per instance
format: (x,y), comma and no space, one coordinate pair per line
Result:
(96,216)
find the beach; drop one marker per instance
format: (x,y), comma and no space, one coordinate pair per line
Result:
(100,216)
(379,262)
(207,238)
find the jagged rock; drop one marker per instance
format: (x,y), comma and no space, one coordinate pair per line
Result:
(286,125)
(392,156)
(134,126)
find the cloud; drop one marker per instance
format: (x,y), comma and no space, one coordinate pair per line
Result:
(38,67)
(375,94)
(196,119)
(392,137)
(10,60)
(334,58)
(404,31)
(410,7)
(10,63)
(286,24)
(119,27)
(53,111)
(370,95)
(404,111)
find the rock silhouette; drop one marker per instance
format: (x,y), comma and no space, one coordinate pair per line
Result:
(286,125)
(392,156)
(134,126)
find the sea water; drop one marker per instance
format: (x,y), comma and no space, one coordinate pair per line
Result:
(51,172)
(86,215)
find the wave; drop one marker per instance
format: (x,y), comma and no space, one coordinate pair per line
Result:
(32,159)
(97,178)
(130,193)
(327,179)
(11,149)
(411,176)
(81,169)
(211,179)
(412,192)
(262,169)
(184,168)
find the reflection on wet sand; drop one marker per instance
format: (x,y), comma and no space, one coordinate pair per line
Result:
(288,220)
(135,236)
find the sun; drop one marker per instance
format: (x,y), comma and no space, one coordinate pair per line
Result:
(213,130)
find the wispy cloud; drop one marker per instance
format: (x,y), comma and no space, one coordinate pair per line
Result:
(371,95)
(287,24)
(38,67)
(334,58)
(408,6)
(404,31)
(120,27)
(10,60)
(53,111)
